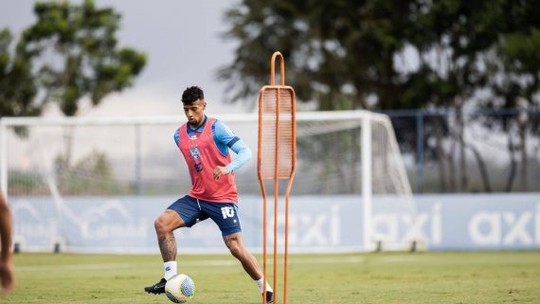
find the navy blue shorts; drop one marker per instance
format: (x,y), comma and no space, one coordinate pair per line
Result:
(193,210)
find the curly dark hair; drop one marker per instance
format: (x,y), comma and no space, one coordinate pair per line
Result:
(191,94)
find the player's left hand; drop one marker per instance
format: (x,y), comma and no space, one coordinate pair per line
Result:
(220,171)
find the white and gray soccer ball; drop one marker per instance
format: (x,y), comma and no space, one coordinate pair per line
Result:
(180,288)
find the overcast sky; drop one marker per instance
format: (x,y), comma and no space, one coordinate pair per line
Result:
(184,46)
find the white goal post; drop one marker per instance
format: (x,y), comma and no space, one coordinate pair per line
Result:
(352,153)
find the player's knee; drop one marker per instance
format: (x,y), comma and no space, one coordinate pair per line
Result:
(160,225)
(235,248)
(236,251)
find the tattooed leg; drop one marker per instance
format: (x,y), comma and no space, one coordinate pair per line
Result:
(167,246)
(165,224)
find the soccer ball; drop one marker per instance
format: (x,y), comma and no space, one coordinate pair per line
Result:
(180,288)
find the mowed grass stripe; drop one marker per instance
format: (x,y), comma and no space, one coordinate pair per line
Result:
(189,263)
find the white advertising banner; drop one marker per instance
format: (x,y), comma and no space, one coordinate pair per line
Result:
(316,223)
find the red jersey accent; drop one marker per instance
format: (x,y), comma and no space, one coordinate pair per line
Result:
(202,156)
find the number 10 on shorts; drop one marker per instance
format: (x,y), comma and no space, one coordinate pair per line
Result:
(227,212)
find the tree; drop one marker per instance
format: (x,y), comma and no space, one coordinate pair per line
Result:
(17,85)
(78,53)
(345,55)
(339,56)
(450,37)
(71,54)
(515,83)
(339,53)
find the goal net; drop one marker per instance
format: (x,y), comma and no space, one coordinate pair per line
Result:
(350,173)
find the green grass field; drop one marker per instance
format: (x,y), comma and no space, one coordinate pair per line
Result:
(425,277)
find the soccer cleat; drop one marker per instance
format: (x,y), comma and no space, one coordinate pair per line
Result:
(157,288)
(269,297)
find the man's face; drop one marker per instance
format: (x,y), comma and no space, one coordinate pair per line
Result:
(195,112)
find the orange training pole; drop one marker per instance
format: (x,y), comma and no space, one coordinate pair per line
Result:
(276,159)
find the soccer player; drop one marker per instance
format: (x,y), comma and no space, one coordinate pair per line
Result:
(7,276)
(205,142)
